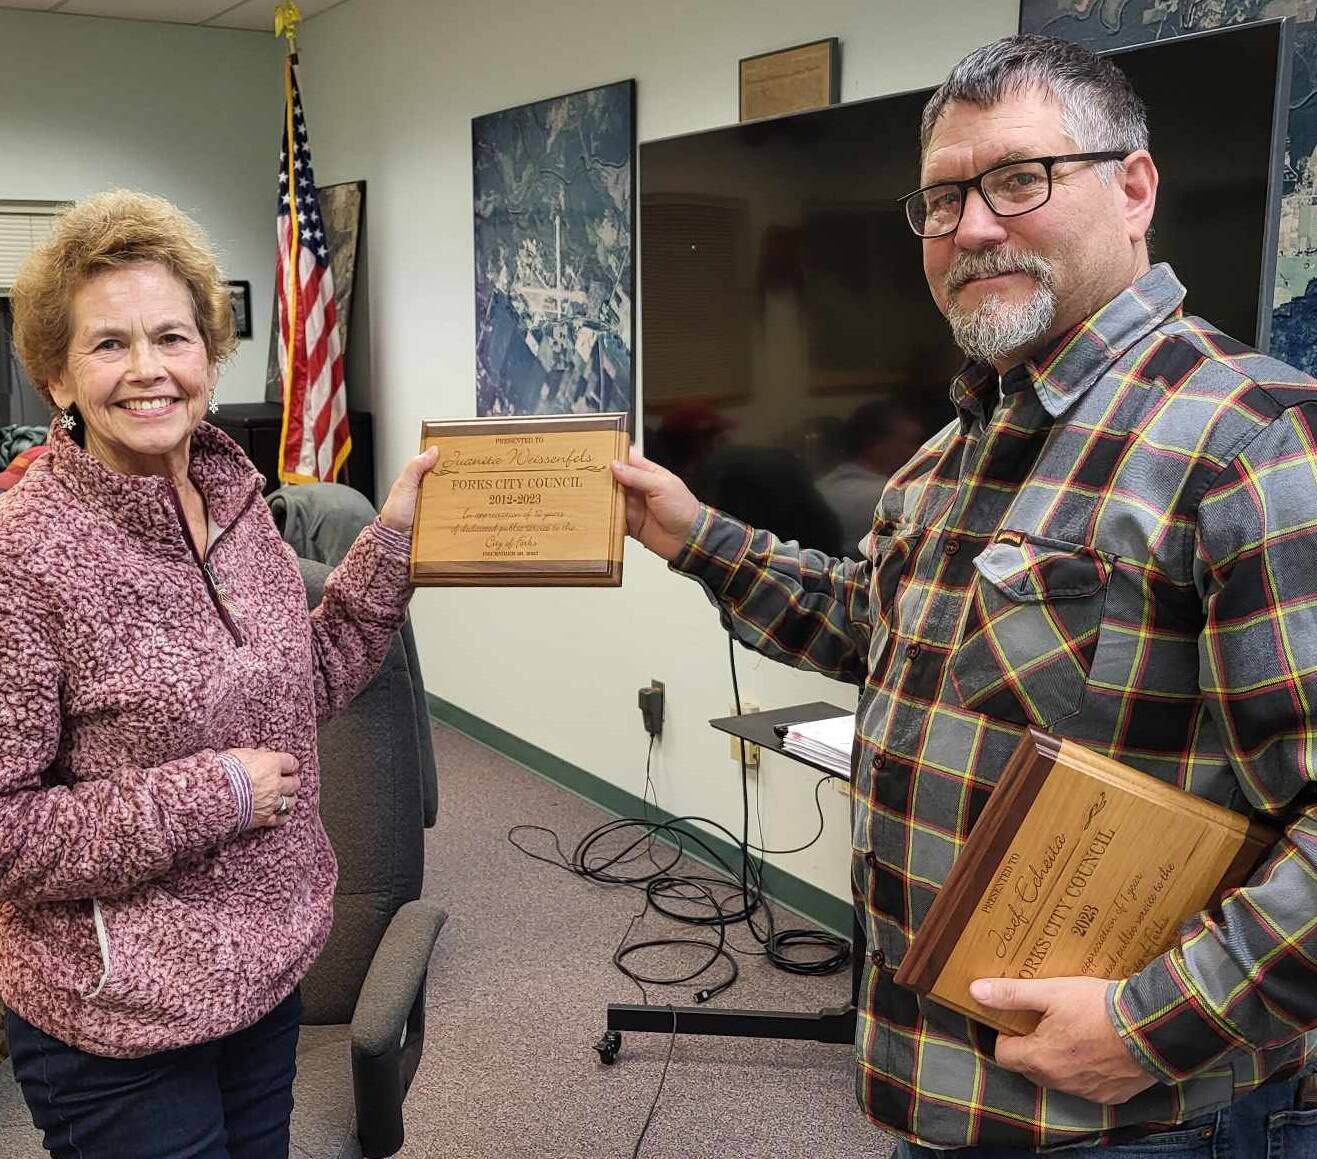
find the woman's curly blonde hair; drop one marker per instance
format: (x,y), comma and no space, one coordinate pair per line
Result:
(108,232)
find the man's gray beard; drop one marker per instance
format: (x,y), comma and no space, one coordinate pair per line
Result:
(996,328)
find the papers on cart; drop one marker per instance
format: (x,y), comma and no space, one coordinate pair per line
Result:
(825,742)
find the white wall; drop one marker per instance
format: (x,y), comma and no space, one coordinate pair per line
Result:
(191,114)
(390,88)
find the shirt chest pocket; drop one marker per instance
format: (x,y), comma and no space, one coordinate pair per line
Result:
(890,547)
(1031,629)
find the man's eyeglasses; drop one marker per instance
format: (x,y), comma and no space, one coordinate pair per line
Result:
(1010,189)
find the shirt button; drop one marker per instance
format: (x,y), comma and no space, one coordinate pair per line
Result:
(911,651)
(870,860)
(951,546)
(879,760)
(877,957)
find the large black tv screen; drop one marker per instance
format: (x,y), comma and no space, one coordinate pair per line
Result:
(791,355)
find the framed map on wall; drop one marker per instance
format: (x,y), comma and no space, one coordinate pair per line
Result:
(1103,24)
(554,198)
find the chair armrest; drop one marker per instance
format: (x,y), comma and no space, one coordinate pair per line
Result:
(388,1025)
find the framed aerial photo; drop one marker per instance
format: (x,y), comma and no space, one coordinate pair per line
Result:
(554,209)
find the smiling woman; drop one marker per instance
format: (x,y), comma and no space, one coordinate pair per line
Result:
(109,232)
(165,879)
(137,370)
(123,321)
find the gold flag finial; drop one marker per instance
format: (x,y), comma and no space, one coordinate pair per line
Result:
(287,16)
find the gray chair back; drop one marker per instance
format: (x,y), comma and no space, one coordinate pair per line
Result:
(370,802)
(321,521)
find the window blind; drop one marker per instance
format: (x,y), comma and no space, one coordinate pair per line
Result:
(24,225)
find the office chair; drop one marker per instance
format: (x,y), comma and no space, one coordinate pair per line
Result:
(363,1020)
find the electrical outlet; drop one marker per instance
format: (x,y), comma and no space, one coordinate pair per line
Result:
(751,749)
(651,707)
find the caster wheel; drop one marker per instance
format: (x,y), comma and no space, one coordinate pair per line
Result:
(610,1042)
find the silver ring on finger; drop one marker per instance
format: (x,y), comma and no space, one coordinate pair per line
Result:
(283,808)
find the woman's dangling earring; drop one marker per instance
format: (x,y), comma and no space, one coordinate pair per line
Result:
(66,419)
(214,403)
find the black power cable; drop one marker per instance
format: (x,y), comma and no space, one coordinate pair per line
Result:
(715,902)
(663,1078)
(776,943)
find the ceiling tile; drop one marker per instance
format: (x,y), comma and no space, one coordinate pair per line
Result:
(259,14)
(174,11)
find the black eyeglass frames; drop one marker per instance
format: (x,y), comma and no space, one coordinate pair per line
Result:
(1010,189)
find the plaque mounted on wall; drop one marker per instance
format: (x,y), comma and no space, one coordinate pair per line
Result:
(524,501)
(790,80)
(1078,865)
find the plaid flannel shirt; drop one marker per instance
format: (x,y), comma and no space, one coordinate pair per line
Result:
(1124,552)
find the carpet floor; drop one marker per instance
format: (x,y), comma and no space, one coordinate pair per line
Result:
(518,988)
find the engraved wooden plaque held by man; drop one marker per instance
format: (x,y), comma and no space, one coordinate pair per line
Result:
(527,501)
(1079,866)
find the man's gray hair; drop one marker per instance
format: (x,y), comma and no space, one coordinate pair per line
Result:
(1099,108)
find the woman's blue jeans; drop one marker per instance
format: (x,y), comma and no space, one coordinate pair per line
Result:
(226,1099)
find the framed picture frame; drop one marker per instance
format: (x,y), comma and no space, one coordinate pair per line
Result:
(790,80)
(554,193)
(240,295)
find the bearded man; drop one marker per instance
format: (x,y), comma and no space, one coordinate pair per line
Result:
(1114,540)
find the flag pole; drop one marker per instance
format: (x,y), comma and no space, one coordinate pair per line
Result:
(287,16)
(314,411)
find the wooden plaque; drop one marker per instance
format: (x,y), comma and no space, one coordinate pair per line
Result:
(790,80)
(526,501)
(1079,865)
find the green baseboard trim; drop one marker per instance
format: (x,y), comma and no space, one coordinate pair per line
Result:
(783,888)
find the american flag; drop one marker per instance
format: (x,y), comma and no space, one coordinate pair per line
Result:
(315,439)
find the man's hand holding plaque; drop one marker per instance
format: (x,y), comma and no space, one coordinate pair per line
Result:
(1075,1047)
(660,510)
(527,501)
